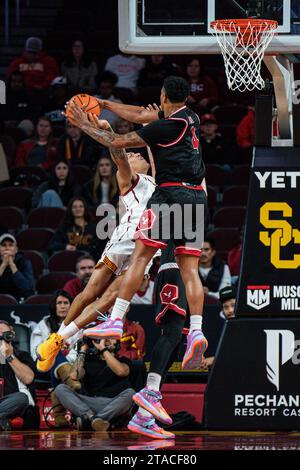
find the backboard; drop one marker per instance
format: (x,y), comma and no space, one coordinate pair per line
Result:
(183,26)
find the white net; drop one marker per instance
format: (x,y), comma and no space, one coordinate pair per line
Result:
(243,43)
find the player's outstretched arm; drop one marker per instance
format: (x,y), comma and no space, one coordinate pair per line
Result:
(117,155)
(136,114)
(81,119)
(125,175)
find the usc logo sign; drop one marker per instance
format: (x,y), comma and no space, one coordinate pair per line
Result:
(283,234)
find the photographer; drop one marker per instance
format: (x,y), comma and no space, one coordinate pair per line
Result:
(17,372)
(106,390)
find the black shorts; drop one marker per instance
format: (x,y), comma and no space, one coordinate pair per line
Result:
(169,293)
(174,213)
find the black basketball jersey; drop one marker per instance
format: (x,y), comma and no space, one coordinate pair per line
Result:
(174,142)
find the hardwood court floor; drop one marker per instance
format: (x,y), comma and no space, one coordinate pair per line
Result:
(125,440)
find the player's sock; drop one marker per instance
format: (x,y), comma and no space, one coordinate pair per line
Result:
(119,309)
(61,328)
(195,322)
(70,330)
(144,412)
(153,381)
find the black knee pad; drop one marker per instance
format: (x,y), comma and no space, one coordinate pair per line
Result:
(172,329)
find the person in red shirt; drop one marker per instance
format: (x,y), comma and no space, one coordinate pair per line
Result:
(84,268)
(234,258)
(41,150)
(132,343)
(245,135)
(37,68)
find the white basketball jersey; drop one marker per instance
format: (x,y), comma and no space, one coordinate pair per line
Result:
(136,198)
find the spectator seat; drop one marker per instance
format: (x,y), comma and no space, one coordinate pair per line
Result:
(49,283)
(16,196)
(225,238)
(46,217)
(34,238)
(64,260)
(215,175)
(235,196)
(28,171)
(211,197)
(38,299)
(11,217)
(230,216)
(6,299)
(37,261)
(241,175)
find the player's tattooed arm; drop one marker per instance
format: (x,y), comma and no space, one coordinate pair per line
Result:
(81,119)
(116,154)
(119,156)
(114,141)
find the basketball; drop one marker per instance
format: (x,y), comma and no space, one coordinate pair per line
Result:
(89,103)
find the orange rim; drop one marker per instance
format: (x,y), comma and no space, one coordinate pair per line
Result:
(229,26)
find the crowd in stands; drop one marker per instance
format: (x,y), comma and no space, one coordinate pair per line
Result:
(67,175)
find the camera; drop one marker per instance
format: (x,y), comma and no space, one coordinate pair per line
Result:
(8,336)
(92,350)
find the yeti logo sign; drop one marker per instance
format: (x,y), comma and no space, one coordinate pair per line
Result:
(280,349)
(258,297)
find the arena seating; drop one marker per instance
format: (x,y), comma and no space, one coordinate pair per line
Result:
(241,175)
(38,299)
(64,260)
(235,196)
(48,283)
(11,217)
(6,299)
(37,261)
(28,171)
(225,238)
(34,238)
(46,217)
(231,216)
(215,175)
(17,197)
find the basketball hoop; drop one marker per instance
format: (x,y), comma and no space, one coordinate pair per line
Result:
(243,44)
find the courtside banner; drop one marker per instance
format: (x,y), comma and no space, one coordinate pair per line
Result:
(270,268)
(254,383)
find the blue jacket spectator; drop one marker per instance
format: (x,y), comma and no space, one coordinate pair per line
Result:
(16,276)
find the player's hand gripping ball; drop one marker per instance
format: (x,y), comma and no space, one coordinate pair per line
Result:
(87,103)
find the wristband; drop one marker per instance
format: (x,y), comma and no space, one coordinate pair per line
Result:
(103,350)
(10,358)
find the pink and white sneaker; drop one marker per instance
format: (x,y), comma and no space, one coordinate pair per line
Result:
(109,329)
(147,427)
(196,347)
(150,401)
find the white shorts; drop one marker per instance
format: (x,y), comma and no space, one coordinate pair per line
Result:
(118,250)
